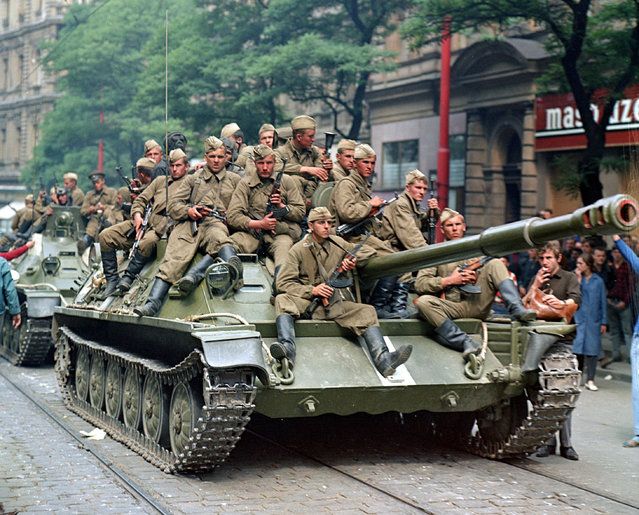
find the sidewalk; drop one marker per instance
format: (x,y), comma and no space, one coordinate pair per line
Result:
(618,371)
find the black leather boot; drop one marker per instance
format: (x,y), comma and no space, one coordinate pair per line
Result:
(135,266)
(399,307)
(512,300)
(385,362)
(284,347)
(229,254)
(194,276)
(381,296)
(450,335)
(110,269)
(84,243)
(154,302)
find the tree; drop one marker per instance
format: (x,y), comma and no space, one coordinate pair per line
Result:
(593,45)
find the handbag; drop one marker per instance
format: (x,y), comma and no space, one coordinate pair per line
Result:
(533,300)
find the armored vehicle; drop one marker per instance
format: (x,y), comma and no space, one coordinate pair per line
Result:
(179,388)
(49,275)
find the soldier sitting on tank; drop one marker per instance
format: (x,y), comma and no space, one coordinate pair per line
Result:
(96,206)
(304,277)
(261,216)
(403,227)
(196,206)
(58,197)
(70,180)
(123,235)
(446,279)
(344,159)
(352,201)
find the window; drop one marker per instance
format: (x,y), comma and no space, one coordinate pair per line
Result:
(398,158)
(457,179)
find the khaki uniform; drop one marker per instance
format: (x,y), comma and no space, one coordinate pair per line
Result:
(338,172)
(108,197)
(249,202)
(122,235)
(301,272)
(77,196)
(204,188)
(403,223)
(457,304)
(295,160)
(26,215)
(349,204)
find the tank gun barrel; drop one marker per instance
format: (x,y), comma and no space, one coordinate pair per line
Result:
(609,215)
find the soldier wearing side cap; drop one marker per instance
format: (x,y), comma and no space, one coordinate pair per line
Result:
(96,208)
(122,236)
(445,279)
(70,180)
(344,159)
(197,196)
(304,161)
(267,135)
(277,230)
(304,277)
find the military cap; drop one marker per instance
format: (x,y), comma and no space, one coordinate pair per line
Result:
(149,144)
(230,129)
(176,155)
(29,198)
(71,176)
(415,175)
(447,214)
(303,122)
(363,150)
(346,144)
(262,152)
(125,194)
(95,175)
(61,191)
(319,213)
(212,143)
(265,128)
(145,165)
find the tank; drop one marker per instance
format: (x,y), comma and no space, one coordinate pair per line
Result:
(48,275)
(180,388)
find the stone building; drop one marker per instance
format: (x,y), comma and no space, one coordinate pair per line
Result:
(26,92)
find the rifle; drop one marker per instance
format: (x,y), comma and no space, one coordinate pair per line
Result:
(277,187)
(334,280)
(143,227)
(357,228)
(432,215)
(329,138)
(212,213)
(473,289)
(130,183)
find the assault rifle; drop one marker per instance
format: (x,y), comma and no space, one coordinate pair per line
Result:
(472,289)
(143,227)
(358,228)
(206,212)
(131,184)
(432,215)
(329,138)
(277,188)
(334,280)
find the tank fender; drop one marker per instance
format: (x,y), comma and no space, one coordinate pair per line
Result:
(538,344)
(233,349)
(41,304)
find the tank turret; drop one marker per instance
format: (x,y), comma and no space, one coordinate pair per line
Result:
(179,388)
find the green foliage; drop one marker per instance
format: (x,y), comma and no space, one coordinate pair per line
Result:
(566,175)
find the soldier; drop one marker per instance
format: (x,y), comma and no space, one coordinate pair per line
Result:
(153,150)
(304,161)
(432,282)
(352,201)
(266,135)
(199,195)
(22,220)
(122,236)
(403,224)
(232,159)
(96,208)
(70,180)
(303,277)
(278,229)
(233,132)
(344,159)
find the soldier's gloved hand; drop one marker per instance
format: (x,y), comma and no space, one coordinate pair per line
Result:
(322,290)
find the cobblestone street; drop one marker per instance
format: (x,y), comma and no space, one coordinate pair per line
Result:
(331,464)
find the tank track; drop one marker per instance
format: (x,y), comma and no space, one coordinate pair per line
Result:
(555,398)
(226,411)
(35,343)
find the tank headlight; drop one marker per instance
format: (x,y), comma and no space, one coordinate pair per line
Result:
(219,278)
(50,265)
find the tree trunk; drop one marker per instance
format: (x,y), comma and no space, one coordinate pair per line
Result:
(588,167)
(358,107)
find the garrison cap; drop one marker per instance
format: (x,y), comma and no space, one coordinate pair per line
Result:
(303,122)
(363,150)
(447,214)
(346,144)
(145,165)
(29,198)
(319,213)
(71,176)
(212,143)
(176,155)
(230,129)
(149,144)
(265,128)
(262,152)
(414,176)
(95,175)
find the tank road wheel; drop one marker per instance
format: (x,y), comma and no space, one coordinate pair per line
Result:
(82,372)
(497,423)
(113,390)
(186,406)
(132,398)
(155,410)
(97,377)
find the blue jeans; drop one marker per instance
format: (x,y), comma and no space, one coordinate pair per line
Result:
(620,324)
(634,369)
